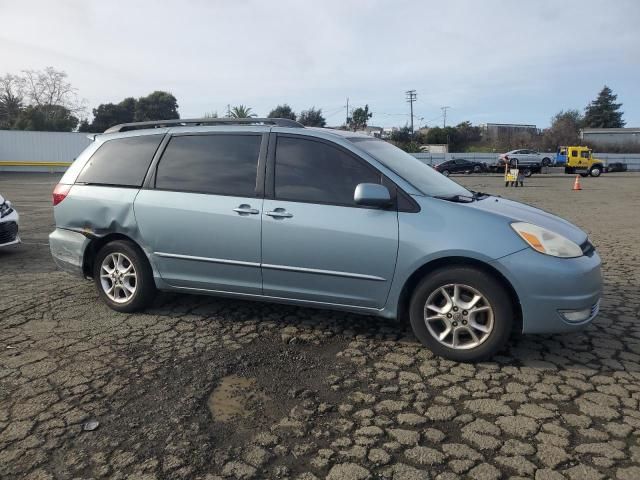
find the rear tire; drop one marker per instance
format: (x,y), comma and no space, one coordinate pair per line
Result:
(123,277)
(584,175)
(527,173)
(477,330)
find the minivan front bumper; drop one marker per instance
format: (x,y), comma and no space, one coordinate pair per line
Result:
(556,294)
(67,248)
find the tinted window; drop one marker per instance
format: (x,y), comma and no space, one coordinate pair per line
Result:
(121,161)
(412,170)
(220,164)
(584,154)
(574,153)
(310,171)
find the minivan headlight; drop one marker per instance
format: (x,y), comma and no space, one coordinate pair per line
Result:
(545,241)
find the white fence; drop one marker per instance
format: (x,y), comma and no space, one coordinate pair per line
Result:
(54,151)
(22,151)
(632,160)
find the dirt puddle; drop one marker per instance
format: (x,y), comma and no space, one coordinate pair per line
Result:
(235,397)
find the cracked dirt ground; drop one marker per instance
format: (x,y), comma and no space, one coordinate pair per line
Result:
(206,388)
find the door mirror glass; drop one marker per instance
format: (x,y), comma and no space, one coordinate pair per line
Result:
(372,195)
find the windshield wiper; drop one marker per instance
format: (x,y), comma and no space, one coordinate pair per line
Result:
(457,198)
(480,195)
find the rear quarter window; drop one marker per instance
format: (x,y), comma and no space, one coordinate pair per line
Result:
(121,161)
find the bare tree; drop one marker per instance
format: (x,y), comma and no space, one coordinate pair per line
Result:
(48,87)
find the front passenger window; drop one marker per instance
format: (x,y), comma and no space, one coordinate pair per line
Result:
(315,172)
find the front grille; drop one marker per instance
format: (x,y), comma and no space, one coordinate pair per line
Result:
(8,232)
(587,248)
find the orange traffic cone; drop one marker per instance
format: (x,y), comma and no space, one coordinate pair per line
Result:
(576,184)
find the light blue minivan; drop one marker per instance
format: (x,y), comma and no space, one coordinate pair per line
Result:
(266,209)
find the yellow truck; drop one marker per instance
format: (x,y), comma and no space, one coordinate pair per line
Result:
(580,160)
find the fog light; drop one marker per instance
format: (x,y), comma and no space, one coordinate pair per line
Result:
(575,316)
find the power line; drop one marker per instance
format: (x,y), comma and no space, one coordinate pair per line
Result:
(411,97)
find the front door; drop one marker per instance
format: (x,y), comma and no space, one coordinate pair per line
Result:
(202,219)
(317,244)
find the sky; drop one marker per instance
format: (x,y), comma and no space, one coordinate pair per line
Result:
(489,61)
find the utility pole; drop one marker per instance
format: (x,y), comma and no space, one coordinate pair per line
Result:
(346,123)
(444,116)
(411,97)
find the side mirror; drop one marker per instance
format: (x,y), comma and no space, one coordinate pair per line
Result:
(372,195)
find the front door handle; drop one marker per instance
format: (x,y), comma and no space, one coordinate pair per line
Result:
(279,213)
(245,209)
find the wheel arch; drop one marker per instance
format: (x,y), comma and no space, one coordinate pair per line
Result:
(96,244)
(414,279)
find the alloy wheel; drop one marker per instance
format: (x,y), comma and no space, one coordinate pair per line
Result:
(118,277)
(458,316)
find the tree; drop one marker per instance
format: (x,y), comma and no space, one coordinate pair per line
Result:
(240,111)
(211,115)
(107,115)
(401,135)
(603,112)
(359,118)
(404,139)
(466,135)
(39,100)
(312,118)
(11,101)
(84,126)
(51,118)
(282,111)
(158,105)
(50,87)
(564,129)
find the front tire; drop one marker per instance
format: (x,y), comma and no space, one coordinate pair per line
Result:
(461,313)
(123,277)
(546,162)
(446,173)
(596,170)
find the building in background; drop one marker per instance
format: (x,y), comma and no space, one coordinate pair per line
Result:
(495,131)
(611,137)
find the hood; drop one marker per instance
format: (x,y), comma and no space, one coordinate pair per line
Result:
(521,212)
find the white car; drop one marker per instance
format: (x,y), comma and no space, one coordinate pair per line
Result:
(8,223)
(526,156)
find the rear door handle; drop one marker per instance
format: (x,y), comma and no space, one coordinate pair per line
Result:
(245,209)
(279,213)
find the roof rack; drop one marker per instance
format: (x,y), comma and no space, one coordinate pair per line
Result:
(181,122)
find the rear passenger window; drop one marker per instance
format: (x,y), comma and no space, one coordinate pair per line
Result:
(121,161)
(217,164)
(314,172)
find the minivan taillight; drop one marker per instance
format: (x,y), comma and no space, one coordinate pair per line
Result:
(60,193)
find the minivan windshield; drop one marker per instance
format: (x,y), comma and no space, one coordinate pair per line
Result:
(419,174)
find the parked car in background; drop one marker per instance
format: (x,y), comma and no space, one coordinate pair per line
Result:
(527,167)
(8,223)
(616,167)
(530,157)
(459,165)
(269,210)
